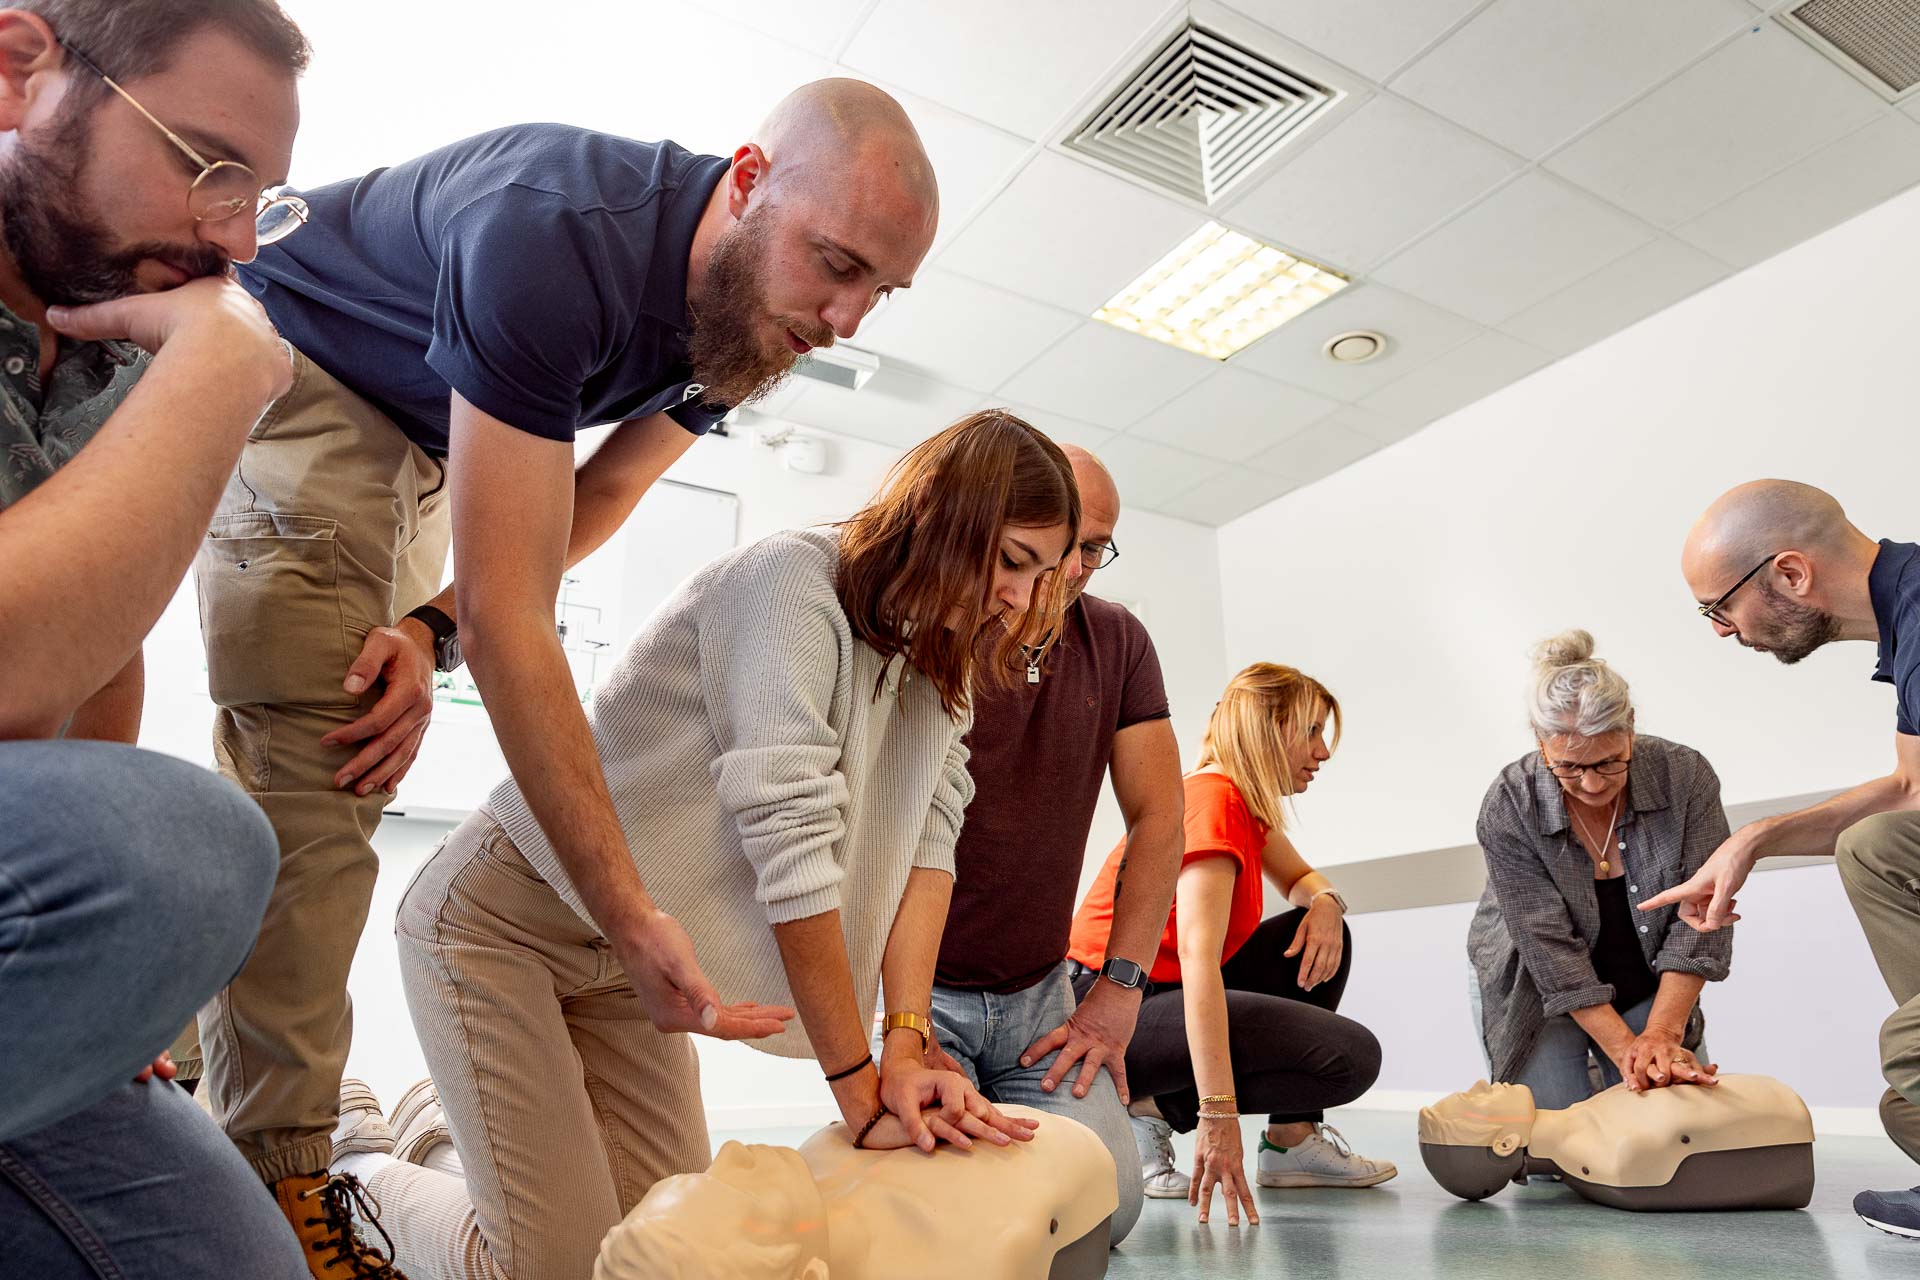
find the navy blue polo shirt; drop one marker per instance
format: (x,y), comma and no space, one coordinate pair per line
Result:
(539,270)
(1893,584)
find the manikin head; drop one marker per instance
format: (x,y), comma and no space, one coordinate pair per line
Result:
(1099,513)
(1582,717)
(1474,1142)
(827,211)
(1270,732)
(1773,564)
(94,195)
(755,1212)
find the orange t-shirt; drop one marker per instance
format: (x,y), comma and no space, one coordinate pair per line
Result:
(1218,825)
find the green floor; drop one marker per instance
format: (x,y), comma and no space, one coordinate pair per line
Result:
(1409,1228)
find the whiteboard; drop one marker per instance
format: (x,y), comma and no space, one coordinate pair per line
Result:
(676,529)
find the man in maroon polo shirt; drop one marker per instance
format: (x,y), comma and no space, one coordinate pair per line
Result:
(1003,1003)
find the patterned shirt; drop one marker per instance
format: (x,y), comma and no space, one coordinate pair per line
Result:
(1532,939)
(42,428)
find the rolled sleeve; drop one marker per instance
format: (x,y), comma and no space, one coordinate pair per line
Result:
(951,796)
(1552,953)
(769,671)
(1684,949)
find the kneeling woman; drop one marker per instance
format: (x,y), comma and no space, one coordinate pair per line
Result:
(783,744)
(1234,999)
(1576,833)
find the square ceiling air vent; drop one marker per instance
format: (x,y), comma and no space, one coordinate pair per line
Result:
(1199,114)
(1877,40)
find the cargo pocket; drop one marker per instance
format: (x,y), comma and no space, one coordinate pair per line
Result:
(270,611)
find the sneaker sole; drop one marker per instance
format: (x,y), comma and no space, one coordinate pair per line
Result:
(1163,1193)
(1903,1233)
(1281,1181)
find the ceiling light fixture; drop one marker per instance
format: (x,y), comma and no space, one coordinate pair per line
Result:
(1219,292)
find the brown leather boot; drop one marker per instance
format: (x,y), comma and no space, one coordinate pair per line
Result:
(321,1208)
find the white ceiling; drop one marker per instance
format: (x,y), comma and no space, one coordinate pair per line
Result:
(1505,181)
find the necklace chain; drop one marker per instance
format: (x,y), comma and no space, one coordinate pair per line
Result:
(1606,845)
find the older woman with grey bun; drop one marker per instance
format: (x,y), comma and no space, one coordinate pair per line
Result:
(1597,818)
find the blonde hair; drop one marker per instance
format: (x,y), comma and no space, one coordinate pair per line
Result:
(1574,692)
(1266,711)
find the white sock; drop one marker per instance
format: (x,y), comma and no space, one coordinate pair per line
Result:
(363,1164)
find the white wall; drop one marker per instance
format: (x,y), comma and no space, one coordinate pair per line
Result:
(1414,582)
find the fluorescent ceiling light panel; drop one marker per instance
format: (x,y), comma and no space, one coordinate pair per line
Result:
(1219,292)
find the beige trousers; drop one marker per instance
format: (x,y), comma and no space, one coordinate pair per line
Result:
(333,523)
(565,1104)
(1879,860)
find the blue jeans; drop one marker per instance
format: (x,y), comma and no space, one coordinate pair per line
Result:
(131,887)
(987,1033)
(1557,1070)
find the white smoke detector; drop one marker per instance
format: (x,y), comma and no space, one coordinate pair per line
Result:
(1356,346)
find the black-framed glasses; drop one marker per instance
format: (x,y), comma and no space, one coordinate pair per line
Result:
(1605,768)
(1098,554)
(224,188)
(1711,612)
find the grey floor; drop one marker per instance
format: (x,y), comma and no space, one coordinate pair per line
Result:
(1410,1228)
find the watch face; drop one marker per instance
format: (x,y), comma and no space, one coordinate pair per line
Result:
(1124,972)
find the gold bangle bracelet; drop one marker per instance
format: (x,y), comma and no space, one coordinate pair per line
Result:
(1220,1097)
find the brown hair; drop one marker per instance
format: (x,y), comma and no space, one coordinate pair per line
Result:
(1267,710)
(129,39)
(923,550)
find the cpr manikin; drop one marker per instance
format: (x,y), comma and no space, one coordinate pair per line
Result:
(1745,1143)
(1036,1210)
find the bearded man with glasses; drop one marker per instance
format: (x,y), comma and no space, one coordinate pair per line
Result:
(1778,566)
(132,885)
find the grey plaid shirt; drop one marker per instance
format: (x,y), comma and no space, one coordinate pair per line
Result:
(41,428)
(1532,939)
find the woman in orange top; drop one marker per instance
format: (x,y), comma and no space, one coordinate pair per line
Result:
(1227,987)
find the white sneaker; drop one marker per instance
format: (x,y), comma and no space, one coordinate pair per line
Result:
(418,1124)
(1323,1160)
(1159,1180)
(362,1129)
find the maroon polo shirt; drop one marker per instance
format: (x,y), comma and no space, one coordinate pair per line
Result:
(1040,754)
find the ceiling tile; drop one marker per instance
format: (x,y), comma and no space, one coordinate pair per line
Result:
(894,408)
(1828,187)
(1374,37)
(1147,474)
(1012,63)
(1227,496)
(961,331)
(1384,427)
(1333,202)
(820,26)
(1457,379)
(1651,278)
(1058,428)
(1232,416)
(1530,75)
(1067,234)
(1320,450)
(1416,332)
(1757,105)
(1102,375)
(1524,243)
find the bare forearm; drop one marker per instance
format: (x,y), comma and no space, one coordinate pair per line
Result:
(530,696)
(1812,832)
(814,953)
(1205,996)
(913,944)
(1673,1003)
(1302,891)
(1148,871)
(100,548)
(113,713)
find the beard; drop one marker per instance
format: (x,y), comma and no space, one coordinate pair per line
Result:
(729,351)
(64,254)
(1793,630)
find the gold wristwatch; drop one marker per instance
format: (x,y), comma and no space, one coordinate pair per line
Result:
(912,1022)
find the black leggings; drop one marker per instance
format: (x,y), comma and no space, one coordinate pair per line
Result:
(1293,1056)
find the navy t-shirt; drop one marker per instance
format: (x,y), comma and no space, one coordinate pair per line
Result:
(1894,586)
(539,270)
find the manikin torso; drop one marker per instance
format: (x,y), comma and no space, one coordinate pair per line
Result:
(1033,1211)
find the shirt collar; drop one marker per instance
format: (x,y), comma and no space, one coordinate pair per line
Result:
(682,206)
(1883,589)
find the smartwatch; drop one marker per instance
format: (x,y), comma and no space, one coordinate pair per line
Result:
(1124,972)
(446,637)
(1330,893)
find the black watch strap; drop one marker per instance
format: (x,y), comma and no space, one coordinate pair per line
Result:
(1125,972)
(446,637)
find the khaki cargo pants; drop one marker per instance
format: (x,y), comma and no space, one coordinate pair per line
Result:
(333,523)
(1879,860)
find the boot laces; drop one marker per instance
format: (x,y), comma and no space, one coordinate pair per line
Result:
(339,1197)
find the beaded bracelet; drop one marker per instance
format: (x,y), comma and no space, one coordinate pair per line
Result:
(1219,1115)
(867,1128)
